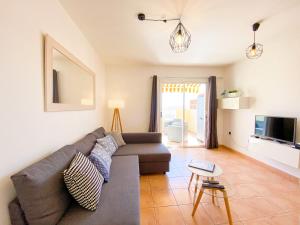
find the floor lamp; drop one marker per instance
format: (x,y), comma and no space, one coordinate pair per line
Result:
(116,121)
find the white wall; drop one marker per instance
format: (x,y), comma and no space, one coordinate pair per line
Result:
(272,81)
(27,132)
(133,85)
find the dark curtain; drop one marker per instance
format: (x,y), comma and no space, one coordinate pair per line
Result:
(153,112)
(55,87)
(211,120)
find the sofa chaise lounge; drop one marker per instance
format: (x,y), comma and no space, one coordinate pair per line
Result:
(42,198)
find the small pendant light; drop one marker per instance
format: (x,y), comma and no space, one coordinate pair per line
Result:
(180,39)
(255,50)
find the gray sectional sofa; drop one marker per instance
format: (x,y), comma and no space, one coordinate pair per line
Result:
(42,198)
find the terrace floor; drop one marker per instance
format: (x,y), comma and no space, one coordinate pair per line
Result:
(190,141)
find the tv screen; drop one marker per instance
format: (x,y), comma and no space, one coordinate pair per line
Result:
(277,128)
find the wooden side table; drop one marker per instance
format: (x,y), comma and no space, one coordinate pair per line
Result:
(197,173)
(214,189)
(203,174)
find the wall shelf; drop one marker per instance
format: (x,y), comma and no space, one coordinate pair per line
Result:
(233,103)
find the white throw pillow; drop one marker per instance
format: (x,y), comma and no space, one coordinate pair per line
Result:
(117,136)
(108,143)
(102,160)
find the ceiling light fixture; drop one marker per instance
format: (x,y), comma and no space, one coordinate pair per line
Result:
(255,50)
(180,38)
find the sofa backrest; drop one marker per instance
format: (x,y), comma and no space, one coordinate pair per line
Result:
(137,138)
(86,144)
(41,192)
(40,188)
(99,133)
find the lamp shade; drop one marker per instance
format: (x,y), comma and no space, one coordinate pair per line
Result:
(113,104)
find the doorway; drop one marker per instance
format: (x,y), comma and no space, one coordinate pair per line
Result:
(183,110)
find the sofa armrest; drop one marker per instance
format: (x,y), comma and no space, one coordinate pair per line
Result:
(136,138)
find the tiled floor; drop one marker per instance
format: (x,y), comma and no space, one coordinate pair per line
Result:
(258,195)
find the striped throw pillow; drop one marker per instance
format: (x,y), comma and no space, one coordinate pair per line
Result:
(84,182)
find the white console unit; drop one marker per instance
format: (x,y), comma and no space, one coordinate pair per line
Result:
(281,153)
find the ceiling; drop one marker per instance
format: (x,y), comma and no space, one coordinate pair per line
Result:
(221,29)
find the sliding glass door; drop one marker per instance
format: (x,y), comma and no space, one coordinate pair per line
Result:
(182,106)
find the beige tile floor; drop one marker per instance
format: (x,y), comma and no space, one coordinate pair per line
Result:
(258,195)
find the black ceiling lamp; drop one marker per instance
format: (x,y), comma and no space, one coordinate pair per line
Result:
(255,50)
(180,38)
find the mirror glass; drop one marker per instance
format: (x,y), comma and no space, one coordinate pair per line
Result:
(72,84)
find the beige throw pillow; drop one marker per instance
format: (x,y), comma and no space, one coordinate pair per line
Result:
(118,138)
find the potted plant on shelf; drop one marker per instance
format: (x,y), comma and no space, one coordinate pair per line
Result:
(234,93)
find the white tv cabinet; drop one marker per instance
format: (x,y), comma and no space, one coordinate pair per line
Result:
(281,156)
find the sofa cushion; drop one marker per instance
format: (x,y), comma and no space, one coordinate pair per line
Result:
(41,190)
(99,133)
(86,144)
(112,140)
(102,161)
(108,144)
(16,214)
(117,136)
(150,152)
(119,200)
(84,182)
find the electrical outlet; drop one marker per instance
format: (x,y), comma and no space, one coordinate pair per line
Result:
(229,132)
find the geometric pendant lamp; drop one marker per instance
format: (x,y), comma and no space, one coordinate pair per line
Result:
(255,50)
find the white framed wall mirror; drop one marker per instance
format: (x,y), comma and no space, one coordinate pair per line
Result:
(69,84)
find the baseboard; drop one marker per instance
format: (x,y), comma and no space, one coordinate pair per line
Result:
(260,163)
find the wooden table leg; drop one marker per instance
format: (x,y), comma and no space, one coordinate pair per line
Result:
(196,188)
(191,179)
(197,201)
(227,206)
(213,192)
(216,199)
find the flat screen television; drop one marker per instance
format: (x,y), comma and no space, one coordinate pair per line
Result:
(282,129)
